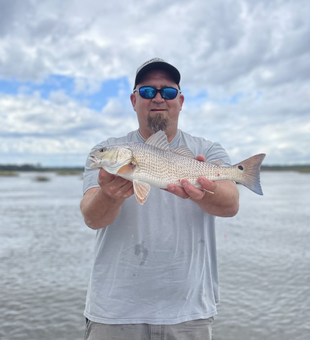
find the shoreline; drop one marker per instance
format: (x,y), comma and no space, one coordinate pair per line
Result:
(13,170)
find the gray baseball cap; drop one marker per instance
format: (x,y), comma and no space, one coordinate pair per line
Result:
(157,64)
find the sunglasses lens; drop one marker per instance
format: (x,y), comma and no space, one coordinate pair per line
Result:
(169,93)
(147,92)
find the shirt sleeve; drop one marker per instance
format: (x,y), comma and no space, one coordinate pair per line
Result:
(216,153)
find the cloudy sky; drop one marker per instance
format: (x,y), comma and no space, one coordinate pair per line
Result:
(67,69)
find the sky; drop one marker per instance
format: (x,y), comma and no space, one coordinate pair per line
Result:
(67,70)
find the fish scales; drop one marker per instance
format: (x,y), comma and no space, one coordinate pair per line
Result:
(153,164)
(164,167)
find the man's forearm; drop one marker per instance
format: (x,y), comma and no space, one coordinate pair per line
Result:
(98,209)
(221,198)
(224,202)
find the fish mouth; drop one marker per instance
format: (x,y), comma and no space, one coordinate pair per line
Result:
(95,162)
(93,159)
(110,166)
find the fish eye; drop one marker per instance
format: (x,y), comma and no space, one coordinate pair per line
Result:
(102,149)
(240,167)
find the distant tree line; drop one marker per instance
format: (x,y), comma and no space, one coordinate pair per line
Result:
(38,167)
(296,167)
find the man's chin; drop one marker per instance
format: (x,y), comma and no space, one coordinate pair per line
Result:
(157,122)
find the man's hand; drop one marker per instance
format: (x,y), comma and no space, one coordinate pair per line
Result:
(189,191)
(101,206)
(219,198)
(114,187)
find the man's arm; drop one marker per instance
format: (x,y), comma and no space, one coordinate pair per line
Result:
(224,201)
(101,206)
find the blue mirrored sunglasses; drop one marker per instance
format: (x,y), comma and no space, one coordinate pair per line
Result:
(149,92)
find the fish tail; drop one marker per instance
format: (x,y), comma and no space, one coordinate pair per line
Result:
(251,173)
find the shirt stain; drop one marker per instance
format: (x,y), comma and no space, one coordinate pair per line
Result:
(142,252)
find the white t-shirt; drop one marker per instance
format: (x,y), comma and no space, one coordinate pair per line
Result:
(155,263)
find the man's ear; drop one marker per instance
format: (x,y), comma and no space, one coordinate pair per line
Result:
(181,100)
(133,100)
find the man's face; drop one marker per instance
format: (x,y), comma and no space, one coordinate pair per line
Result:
(157,113)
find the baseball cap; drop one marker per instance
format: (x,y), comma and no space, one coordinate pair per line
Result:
(154,64)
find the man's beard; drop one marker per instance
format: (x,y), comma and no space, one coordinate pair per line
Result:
(157,122)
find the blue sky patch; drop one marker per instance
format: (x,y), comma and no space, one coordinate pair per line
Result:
(95,100)
(197,99)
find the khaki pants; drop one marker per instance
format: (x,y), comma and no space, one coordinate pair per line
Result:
(190,330)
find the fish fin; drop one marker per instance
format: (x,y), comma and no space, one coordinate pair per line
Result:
(158,140)
(183,151)
(250,169)
(220,162)
(126,169)
(141,190)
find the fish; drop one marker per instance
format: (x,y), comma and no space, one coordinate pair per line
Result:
(154,164)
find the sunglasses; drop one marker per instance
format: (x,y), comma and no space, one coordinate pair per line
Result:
(149,92)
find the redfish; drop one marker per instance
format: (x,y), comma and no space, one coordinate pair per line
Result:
(153,163)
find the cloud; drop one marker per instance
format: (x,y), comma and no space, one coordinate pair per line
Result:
(222,42)
(31,125)
(86,85)
(275,122)
(245,69)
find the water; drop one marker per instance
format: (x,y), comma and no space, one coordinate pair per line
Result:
(264,263)
(45,258)
(46,250)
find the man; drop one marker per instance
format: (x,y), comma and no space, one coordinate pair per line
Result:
(155,270)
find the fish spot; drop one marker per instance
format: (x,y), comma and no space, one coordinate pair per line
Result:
(240,167)
(141,252)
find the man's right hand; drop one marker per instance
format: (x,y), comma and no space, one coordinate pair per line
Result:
(113,186)
(101,206)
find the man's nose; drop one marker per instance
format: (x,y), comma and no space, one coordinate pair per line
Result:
(158,98)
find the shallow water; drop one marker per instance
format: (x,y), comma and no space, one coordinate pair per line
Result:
(45,258)
(264,263)
(46,251)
